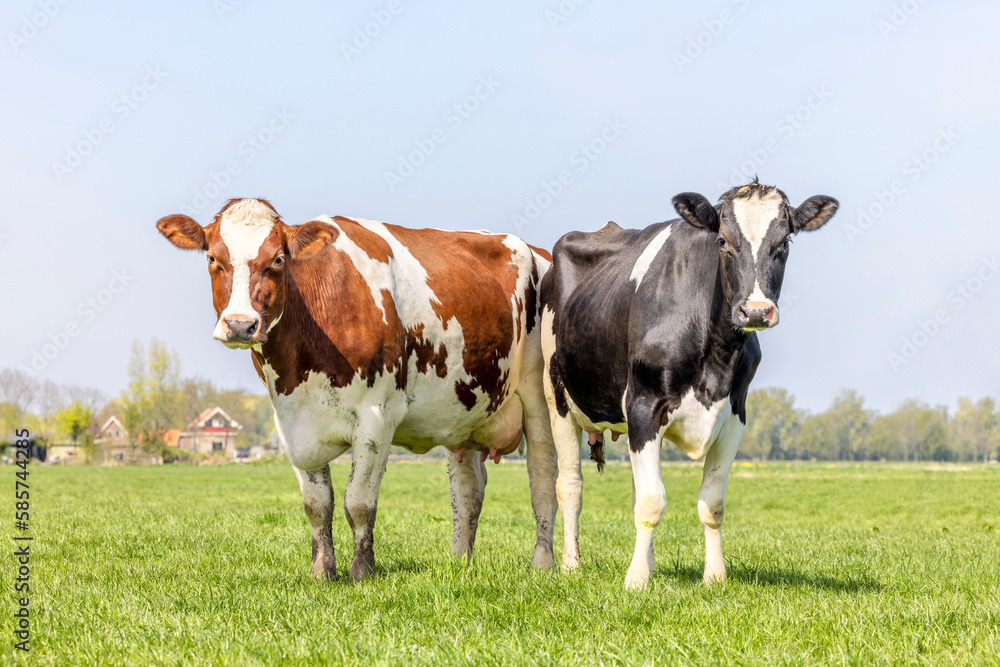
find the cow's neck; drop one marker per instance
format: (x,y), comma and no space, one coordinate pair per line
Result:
(298,343)
(724,342)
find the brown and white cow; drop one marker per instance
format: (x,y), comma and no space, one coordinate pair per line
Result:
(369,335)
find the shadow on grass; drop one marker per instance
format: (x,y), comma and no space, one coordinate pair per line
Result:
(765,576)
(407,565)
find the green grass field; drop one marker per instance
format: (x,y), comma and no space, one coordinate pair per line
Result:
(209,565)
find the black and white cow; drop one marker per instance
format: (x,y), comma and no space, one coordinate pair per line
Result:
(652,333)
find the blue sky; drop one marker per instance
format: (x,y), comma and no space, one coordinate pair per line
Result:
(817,98)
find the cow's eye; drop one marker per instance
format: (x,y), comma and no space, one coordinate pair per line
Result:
(787,244)
(211,259)
(722,243)
(279,260)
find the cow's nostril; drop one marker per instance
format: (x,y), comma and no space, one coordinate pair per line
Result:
(242,328)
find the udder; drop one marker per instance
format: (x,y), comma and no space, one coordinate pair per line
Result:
(499,435)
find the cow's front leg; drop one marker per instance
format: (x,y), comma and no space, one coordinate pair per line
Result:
(468,487)
(369,458)
(712,496)
(650,497)
(652,553)
(317,501)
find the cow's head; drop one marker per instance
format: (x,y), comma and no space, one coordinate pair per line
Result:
(755,225)
(249,251)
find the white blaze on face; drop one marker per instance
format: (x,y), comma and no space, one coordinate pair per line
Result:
(244,227)
(754,216)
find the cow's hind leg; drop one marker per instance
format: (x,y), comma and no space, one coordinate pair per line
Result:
(369,457)
(566,435)
(712,496)
(317,501)
(541,454)
(467,479)
(569,482)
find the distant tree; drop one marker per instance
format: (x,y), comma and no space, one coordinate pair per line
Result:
(153,402)
(11,419)
(87,396)
(814,439)
(975,428)
(74,420)
(883,442)
(18,390)
(49,400)
(921,431)
(259,416)
(848,422)
(772,423)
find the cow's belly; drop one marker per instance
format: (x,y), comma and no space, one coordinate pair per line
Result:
(435,417)
(692,427)
(460,429)
(590,426)
(318,422)
(695,428)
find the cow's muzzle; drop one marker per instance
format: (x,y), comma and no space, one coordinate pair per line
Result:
(757,315)
(239,331)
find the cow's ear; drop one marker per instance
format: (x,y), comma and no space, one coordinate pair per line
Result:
(694,208)
(183,232)
(814,213)
(306,240)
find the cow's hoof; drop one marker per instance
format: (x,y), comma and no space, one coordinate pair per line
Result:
(324,569)
(462,556)
(543,558)
(636,580)
(362,568)
(712,578)
(326,575)
(571,563)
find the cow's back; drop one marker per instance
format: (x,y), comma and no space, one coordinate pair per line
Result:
(467,302)
(591,294)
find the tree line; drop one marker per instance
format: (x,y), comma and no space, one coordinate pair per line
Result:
(848,431)
(156,400)
(778,430)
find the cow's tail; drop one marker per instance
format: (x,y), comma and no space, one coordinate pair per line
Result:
(597,454)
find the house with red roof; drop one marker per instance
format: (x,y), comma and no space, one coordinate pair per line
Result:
(212,432)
